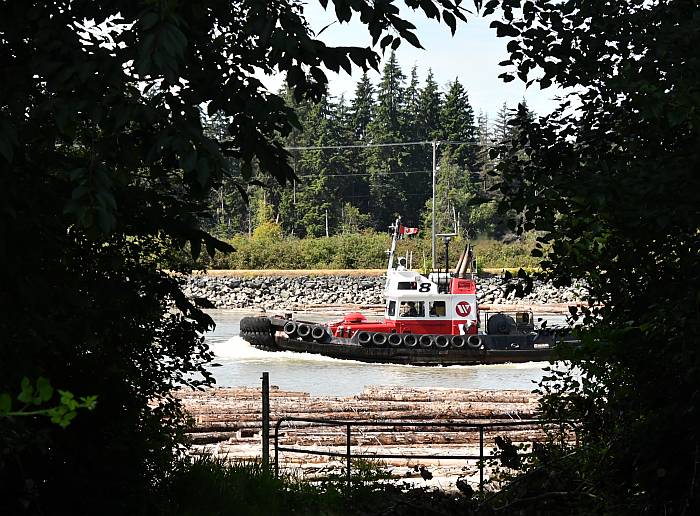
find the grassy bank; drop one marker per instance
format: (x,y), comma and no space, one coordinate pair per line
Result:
(209,487)
(353,251)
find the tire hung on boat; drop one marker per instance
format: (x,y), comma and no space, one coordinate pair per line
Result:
(457,341)
(474,341)
(303,330)
(290,329)
(257,331)
(318,333)
(379,339)
(364,338)
(394,340)
(410,341)
(442,341)
(425,341)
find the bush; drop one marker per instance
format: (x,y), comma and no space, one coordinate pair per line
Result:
(367,250)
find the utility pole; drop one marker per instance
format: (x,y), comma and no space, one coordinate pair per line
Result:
(435,144)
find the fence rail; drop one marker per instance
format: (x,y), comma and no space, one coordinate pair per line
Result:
(348,455)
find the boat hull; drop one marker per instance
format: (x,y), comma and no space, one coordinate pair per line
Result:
(267,333)
(412,356)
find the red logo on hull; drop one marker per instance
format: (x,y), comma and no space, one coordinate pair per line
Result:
(463,309)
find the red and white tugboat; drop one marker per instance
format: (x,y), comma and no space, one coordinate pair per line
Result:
(431,320)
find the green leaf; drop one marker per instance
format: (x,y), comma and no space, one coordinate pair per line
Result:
(450,21)
(5,403)
(27,391)
(411,38)
(148,20)
(44,390)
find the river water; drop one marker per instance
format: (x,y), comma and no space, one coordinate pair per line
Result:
(238,364)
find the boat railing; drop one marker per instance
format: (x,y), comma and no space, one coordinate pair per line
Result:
(481,427)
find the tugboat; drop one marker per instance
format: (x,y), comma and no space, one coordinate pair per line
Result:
(428,320)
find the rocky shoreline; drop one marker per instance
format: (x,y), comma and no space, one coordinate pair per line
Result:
(298,292)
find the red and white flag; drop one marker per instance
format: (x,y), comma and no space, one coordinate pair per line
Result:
(407,232)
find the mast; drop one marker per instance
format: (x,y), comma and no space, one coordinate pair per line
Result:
(391,251)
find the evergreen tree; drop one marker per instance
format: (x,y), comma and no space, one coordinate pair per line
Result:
(484,139)
(501,130)
(386,164)
(361,109)
(411,108)
(457,124)
(314,191)
(390,95)
(426,128)
(429,105)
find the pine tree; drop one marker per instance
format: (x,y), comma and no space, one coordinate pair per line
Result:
(501,130)
(457,124)
(362,107)
(385,165)
(411,108)
(429,105)
(484,164)
(418,189)
(390,95)
(315,193)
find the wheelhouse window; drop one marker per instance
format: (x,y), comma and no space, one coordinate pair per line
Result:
(391,309)
(437,309)
(407,285)
(412,309)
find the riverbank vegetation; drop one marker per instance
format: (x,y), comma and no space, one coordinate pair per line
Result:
(365,250)
(210,487)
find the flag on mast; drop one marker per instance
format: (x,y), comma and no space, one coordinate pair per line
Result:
(406,231)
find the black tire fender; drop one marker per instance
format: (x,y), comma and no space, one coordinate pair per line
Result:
(441,341)
(395,340)
(318,333)
(303,330)
(364,338)
(426,341)
(379,339)
(474,341)
(410,341)
(290,328)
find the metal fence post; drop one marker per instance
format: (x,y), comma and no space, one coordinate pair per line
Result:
(277,444)
(266,420)
(481,458)
(347,442)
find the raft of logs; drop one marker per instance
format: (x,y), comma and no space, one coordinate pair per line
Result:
(227,422)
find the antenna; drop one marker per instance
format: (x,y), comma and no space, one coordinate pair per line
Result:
(446,237)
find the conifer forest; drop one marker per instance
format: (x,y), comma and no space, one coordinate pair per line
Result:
(360,162)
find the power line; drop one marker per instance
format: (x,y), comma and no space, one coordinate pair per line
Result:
(369,174)
(370,145)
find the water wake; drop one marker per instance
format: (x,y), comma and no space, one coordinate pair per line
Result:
(238,350)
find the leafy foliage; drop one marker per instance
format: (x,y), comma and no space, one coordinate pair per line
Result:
(33,399)
(212,487)
(611,179)
(268,249)
(105,167)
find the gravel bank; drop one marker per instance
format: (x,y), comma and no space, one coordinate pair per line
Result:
(293,293)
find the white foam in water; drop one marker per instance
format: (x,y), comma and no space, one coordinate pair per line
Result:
(240,350)
(237,348)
